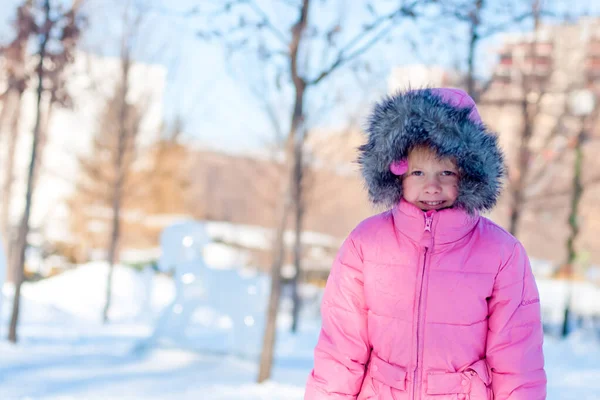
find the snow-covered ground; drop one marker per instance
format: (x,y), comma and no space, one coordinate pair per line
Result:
(65,352)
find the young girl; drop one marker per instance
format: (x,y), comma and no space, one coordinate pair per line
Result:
(430,300)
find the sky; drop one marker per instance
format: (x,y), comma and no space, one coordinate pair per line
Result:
(220,98)
(199,89)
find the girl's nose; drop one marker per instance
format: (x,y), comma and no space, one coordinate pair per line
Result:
(433,186)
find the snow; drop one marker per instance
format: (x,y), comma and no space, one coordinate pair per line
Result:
(585,298)
(81,292)
(65,353)
(261,238)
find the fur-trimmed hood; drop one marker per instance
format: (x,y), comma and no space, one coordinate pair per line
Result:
(445,119)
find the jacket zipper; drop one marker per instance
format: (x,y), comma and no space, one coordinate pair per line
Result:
(428,221)
(416,380)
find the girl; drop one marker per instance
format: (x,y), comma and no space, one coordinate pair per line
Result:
(430,300)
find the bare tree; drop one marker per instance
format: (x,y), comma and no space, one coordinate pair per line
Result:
(126,130)
(530,176)
(154,179)
(125,141)
(576,194)
(549,130)
(290,50)
(17,74)
(527,90)
(107,178)
(586,110)
(68,30)
(484,19)
(474,37)
(529,111)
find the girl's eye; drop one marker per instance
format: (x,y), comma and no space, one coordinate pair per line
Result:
(448,173)
(417,173)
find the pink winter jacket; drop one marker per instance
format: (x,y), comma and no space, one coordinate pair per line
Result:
(441,306)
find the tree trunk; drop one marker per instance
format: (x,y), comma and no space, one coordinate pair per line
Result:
(43,139)
(518,182)
(474,40)
(123,140)
(15,103)
(573,221)
(515,211)
(269,339)
(528,115)
(298,177)
(24,227)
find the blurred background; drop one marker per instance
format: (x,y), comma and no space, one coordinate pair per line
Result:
(161,161)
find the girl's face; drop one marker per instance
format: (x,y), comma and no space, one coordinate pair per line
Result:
(430,183)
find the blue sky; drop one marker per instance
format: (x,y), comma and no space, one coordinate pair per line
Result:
(213,93)
(199,88)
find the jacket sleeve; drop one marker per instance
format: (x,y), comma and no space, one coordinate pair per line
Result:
(515,335)
(343,348)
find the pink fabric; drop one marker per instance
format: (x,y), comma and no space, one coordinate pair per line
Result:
(460,99)
(399,167)
(450,313)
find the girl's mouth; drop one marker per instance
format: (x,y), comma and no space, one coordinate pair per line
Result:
(433,203)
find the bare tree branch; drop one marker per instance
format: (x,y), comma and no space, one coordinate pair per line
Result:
(266,21)
(55,33)
(504,26)
(342,57)
(290,3)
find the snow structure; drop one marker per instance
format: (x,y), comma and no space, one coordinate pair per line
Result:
(208,293)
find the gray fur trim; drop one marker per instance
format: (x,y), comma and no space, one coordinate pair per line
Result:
(400,122)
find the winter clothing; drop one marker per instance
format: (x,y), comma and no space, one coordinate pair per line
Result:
(399,167)
(445,119)
(439,305)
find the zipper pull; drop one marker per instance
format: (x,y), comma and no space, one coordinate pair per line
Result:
(428,221)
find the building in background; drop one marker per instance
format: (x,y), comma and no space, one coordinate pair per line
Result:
(70,131)
(541,71)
